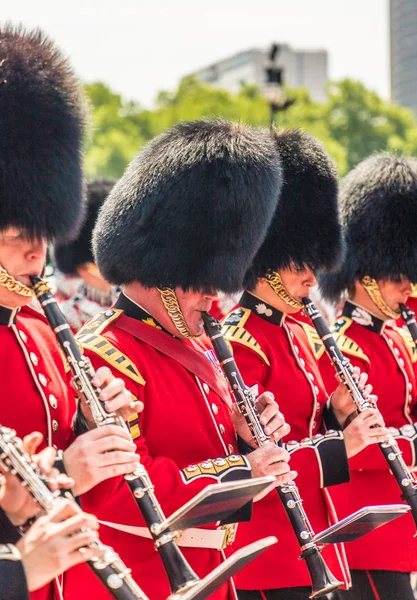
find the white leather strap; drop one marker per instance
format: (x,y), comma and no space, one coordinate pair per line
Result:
(190,538)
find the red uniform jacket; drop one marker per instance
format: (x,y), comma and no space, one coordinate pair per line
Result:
(36,397)
(184,424)
(273,351)
(388,356)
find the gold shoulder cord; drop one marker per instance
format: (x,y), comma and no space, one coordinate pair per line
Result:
(372,289)
(10,283)
(275,281)
(170,301)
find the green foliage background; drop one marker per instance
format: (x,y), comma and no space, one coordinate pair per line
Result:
(352,123)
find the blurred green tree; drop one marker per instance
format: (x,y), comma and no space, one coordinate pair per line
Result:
(353,122)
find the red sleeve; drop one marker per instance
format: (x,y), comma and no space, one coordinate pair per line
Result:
(112,499)
(321,461)
(371,458)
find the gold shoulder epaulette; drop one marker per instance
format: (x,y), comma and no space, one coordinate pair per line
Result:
(346,345)
(314,340)
(91,339)
(411,347)
(234,331)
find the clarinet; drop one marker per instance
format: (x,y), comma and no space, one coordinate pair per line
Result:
(180,575)
(409,318)
(110,569)
(322,580)
(344,371)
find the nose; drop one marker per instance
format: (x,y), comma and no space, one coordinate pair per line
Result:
(310,280)
(37,250)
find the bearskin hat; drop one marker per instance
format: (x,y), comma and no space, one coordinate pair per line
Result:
(70,255)
(192,208)
(42,114)
(378,206)
(305,229)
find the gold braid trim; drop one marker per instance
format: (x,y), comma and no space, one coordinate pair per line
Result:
(372,289)
(170,301)
(275,281)
(10,283)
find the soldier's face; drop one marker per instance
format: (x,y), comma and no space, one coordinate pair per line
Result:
(298,282)
(21,257)
(192,305)
(395,292)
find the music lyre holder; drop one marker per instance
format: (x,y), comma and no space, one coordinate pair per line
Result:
(214,503)
(360,523)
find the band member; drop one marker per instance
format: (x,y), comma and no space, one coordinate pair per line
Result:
(51,545)
(378,204)
(41,193)
(272,350)
(173,230)
(81,289)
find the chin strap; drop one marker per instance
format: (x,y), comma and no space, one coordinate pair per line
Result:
(371,287)
(12,285)
(170,301)
(275,281)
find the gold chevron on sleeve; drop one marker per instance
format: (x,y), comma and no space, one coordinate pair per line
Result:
(346,345)
(314,340)
(239,335)
(411,347)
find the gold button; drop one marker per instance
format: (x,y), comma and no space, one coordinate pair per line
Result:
(55,425)
(296,349)
(33,358)
(310,376)
(401,362)
(396,351)
(302,362)
(23,336)
(206,388)
(214,408)
(230,449)
(316,390)
(53,401)
(222,429)
(42,379)
(410,386)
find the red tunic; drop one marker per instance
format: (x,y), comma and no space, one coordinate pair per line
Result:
(36,397)
(184,423)
(387,356)
(273,351)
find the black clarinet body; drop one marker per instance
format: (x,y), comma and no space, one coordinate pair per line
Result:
(409,318)
(180,575)
(344,371)
(323,582)
(109,568)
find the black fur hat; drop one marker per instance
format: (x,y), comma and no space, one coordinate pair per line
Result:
(70,255)
(378,206)
(192,208)
(305,229)
(41,128)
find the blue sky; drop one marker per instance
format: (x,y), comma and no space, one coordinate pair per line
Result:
(139,47)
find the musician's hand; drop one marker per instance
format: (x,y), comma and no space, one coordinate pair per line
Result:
(15,499)
(115,396)
(341,400)
(271,419)
(98,455)
(365,429)
(52,544)
(271,460)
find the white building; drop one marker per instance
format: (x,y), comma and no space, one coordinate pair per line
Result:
(301,68)
(403,34)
